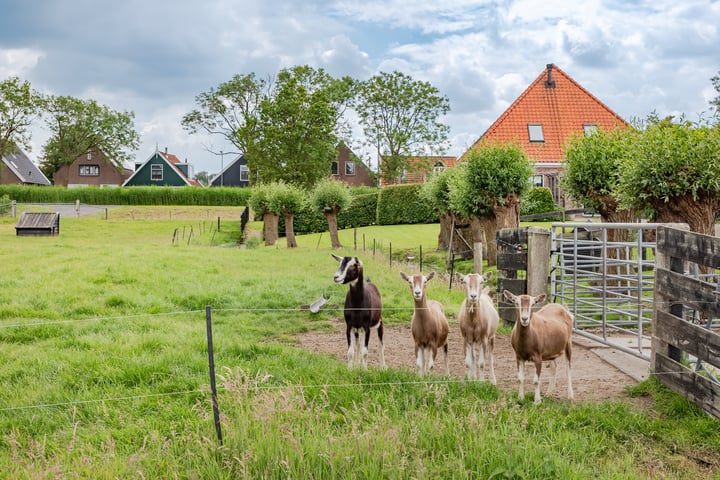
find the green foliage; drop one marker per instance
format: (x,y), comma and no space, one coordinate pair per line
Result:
(330,196)
(400,116)
(361,212)
(436,191)
(259,200)
(404,204)
(670,161)
(220,196)
(537,200)
(593,165)
(20,105)
(285,198)
(488,175)
(5,204)
(715,102)
(78,126)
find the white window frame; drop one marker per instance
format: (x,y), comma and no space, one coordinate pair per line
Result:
(334,168)
(154,169)
(89,170)
(350,168)
(244,173)
(589,128)
(535,133)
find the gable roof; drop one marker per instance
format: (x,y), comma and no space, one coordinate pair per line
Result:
(419,174)
(171,161)
(558,103)
(23,168)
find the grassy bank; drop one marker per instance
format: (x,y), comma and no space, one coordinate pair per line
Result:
(104,370)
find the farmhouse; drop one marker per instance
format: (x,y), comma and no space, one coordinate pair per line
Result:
(544,117)
(17,169)
(162,169)
(92,168)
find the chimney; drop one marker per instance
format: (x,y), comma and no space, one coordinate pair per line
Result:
(550,83)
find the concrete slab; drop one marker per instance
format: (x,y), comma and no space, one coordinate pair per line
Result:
(635,367)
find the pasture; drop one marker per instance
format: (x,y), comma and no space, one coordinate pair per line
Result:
(104,370)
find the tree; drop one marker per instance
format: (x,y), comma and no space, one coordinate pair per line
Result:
(78,126)
(399,117)
(287,200)
(592,171)
(715,102)
(299,127)
(488,188)
(329,197)
(232,111)
(203,177)
(437,192)
(672,174)
(259,201)
(20,105)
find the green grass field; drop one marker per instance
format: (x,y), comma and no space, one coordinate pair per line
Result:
(104,369)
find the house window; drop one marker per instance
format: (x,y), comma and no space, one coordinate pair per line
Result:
(89,170)
(349,168)
(535,131)
(156,172)
(589,128)
(244,173)
(334,168)
(89,156)
(536,180)
(439,167)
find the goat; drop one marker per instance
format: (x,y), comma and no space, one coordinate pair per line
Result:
(539,336)
(363,309)
(478,321)
(429,326)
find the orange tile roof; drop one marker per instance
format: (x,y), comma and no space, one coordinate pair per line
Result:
(419,176)
(561,109)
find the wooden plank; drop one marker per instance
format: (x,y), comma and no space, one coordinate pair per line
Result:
(512,236)
(687,290)
(695,247)
(514,285)
(511,261)
(693,339)
(700,390)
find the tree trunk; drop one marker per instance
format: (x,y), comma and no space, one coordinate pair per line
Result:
(698,214)
(289,230)
(446,225)
(270,223)
(331,217)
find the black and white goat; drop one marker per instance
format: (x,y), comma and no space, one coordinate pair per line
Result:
(363,309)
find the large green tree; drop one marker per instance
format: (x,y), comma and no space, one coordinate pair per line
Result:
(673,173)
(300,127)
(488,188)
(77,126)
(20,106)
(287,200)
(400,118)
(592,170)
(231,111)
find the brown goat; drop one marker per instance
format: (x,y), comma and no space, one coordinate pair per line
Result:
(429,326)
(539,336)
(478,321)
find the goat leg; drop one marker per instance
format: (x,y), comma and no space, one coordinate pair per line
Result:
(536,380)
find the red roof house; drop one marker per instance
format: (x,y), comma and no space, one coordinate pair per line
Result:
(542,119)
(436,164)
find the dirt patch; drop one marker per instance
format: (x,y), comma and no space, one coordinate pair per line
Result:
(593,378)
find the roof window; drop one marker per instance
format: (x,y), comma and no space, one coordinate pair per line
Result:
(535,131)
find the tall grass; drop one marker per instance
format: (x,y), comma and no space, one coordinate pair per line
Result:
(104,373)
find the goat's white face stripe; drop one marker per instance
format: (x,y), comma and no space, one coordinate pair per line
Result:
(473,284)
(524,303)
(345,264)
(417,282)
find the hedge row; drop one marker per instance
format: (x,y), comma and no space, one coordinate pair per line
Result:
(220,196)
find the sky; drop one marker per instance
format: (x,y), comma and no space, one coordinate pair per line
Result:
(153,57)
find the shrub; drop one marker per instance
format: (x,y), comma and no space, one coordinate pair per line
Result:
(403,204)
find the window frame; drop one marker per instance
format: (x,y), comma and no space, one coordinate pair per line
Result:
(533,130)
(350,168)
(153,172)
(335,168)
(89,170)
(589,128)
(244,173)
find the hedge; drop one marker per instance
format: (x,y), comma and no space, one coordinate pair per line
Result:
(403,204)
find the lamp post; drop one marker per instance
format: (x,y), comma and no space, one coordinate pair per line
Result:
(222,167)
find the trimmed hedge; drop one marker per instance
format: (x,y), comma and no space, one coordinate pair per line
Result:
(403,204)
(216,196)
(538,200)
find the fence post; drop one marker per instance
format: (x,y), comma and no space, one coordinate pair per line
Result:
(14,208)
(211,365)
(538,260)
(478,257)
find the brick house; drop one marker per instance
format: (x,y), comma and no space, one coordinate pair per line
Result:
(436,164)
(542,119)
(351,170)
(16,168)
(91,169)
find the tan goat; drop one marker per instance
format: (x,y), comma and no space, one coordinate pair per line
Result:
(429,326)
(539,336)
(478,320)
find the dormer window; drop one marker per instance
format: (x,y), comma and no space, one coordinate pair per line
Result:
(438,168)
(589,128)
(535,132)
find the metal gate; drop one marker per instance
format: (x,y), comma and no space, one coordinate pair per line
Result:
(604,273)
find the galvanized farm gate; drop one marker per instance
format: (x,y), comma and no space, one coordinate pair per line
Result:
(686,347)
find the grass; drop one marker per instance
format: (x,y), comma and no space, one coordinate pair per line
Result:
(104,370)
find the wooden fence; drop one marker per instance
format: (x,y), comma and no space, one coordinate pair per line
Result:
(678,344)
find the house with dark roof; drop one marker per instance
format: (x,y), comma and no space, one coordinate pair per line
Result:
(544,117)
(234,174)
(92,168)
(16,168)
(350,169)
(162,169)
(425,166)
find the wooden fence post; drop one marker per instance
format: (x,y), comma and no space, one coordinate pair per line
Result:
(538,260)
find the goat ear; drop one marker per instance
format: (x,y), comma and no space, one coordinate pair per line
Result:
(540,298)
(487,276)
(460,276)
(509,296)
(403,276)
(431,275)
